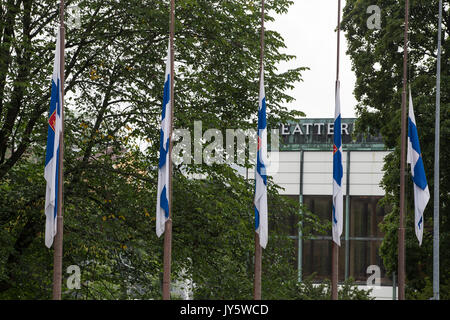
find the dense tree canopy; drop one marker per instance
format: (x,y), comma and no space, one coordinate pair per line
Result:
(114,83)
(377,57)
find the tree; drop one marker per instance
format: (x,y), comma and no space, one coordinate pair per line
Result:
(377,61)
(114,77)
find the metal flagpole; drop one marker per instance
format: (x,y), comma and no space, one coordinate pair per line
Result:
(436,164)
(258,249)
(258,264)
(167,260)
(58,248)
(401,229)
(335,247)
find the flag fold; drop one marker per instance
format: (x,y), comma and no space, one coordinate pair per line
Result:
(421,191)
(52,153)
(260,201)
(337,210)
(162,202)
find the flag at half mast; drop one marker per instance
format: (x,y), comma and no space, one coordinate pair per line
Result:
(51,171)
(261,220)
(162,202)
(421,191)
(337,213)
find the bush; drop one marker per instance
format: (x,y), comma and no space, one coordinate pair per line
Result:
(308,290)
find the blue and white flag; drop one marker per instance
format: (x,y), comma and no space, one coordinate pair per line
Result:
(337,214)
(261,174)
(52,154)
(421,192)
(162,202)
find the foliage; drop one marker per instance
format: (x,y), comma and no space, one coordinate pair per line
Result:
(377,59)
(114,75)
(309,290)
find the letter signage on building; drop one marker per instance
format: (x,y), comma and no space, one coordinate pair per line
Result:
(317,134)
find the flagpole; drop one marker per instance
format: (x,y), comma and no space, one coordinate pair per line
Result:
(167,260)
(258,249)
(401,230)
(335,247)
(436,164)
(58,246)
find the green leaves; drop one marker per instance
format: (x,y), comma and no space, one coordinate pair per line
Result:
(114,85)
(377,61)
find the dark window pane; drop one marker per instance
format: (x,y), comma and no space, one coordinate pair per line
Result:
(365,216)
(290,224)
(363,254)
(317,256)
(322,207)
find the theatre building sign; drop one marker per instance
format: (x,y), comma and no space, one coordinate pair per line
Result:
(310,134)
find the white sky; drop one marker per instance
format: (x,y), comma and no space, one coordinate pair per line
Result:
(308,31)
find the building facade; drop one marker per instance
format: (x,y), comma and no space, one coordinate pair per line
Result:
(305,167)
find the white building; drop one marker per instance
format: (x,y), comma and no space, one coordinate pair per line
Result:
(304,170)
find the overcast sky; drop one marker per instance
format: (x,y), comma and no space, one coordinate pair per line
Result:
(308,31)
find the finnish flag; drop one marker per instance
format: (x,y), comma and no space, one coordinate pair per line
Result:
(260,201)
(162,202)
(337,213)
(421,192)
(52,153)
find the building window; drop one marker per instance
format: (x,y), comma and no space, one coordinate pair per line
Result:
(321,206)
(366,213)
(364,253)
(364,241)
(317,259)
(365,217)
